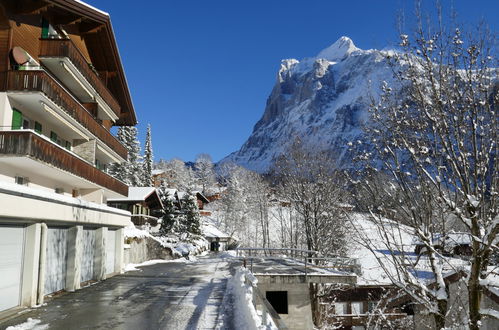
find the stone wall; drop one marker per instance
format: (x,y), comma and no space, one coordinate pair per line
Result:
(139,250)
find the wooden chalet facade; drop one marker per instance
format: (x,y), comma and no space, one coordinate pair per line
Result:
(62,88)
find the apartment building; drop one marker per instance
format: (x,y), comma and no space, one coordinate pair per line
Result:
(62,88)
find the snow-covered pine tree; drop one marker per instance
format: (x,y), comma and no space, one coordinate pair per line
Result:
(191,213)
(121,171)
(148,160)
(169,218)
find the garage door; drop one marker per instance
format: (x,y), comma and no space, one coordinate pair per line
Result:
(11,256)
(110,251)
(87,260)
(56,259)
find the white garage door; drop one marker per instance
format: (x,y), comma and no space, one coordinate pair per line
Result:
(11,256)
(110,251)
(56,259)
(87,260)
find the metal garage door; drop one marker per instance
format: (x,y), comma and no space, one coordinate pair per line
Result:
(11,261)
(56,259)
(87,259)
(110,251)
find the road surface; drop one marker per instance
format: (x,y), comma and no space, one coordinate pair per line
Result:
(174,295)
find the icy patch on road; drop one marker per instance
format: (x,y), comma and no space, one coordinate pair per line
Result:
(30,324)
(132,267)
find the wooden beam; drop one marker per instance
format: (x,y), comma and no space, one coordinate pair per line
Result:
(67,20)
(32,8)
(90,28)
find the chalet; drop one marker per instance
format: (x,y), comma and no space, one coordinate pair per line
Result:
(62,88)
(158,176)
(200,198)
(352,306)
(143,202)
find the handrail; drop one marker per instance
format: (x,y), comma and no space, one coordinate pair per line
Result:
(66,48)
(39,80)
(30,144)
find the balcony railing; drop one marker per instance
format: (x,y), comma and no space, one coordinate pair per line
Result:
(66,48)
(41,81)
(29,144)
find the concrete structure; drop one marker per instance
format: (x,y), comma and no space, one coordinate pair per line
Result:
(286,285)
(62,87)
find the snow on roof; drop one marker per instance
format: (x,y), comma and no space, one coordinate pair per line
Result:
(136,194)
(372,271)
(91,7)
(209,230)
(156,172)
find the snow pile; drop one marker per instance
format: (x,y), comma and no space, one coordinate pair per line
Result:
(245,314)
(30,324)
(133,232)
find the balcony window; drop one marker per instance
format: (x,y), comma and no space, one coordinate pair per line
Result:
(38,127)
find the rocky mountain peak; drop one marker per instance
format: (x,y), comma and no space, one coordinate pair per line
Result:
(343,47)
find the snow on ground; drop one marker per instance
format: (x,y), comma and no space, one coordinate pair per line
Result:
(30,324)
(375,271)
(245,314)
(133,267)
(193,245)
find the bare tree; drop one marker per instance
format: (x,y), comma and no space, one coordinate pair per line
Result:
(437,138)
(205,172)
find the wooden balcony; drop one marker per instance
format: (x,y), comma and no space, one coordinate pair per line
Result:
(29,144)
(66,48)
(40,81)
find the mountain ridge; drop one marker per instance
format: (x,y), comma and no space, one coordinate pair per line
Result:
(323,100)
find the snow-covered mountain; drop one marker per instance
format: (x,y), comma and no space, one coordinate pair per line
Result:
(323,100)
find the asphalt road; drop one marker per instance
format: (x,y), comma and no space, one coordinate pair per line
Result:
(170,296)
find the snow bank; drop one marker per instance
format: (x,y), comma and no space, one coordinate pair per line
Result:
(179,248)
(30,324)
(245,314)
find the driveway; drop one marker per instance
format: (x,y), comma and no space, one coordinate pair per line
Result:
(173,295)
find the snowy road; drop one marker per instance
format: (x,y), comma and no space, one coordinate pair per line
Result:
(175,295)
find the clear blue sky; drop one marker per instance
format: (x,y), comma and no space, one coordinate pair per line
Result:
(200,71)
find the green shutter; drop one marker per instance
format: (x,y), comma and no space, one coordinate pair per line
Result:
(45,28)
(17,119)
(53,136)
(38,127)
(68,145)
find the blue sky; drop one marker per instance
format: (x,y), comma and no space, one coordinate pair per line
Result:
(200,71)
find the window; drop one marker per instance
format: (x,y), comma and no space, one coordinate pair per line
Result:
(17,119)
(340,308)
(53,136)
(357,307)
(38,127)
(22,180)
(278,300)
(68,145)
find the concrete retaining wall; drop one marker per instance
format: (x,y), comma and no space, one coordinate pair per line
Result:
(139,250)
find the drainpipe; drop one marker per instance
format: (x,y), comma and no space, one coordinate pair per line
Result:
(41,264)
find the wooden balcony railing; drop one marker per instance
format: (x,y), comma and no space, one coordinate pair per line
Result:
(29,144)
(41,81)
(66,48)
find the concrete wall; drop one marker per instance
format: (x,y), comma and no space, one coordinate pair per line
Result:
(139,250)
(299,310)
(35,212)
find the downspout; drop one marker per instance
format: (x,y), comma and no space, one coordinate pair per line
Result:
(41,264)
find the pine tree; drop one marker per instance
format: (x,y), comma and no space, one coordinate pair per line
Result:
(169,218)
(191,213)
(130,171)
(148,160)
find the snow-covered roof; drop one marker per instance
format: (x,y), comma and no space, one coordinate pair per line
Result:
(156,172)
(92,7)
(135,194)
(209,230)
